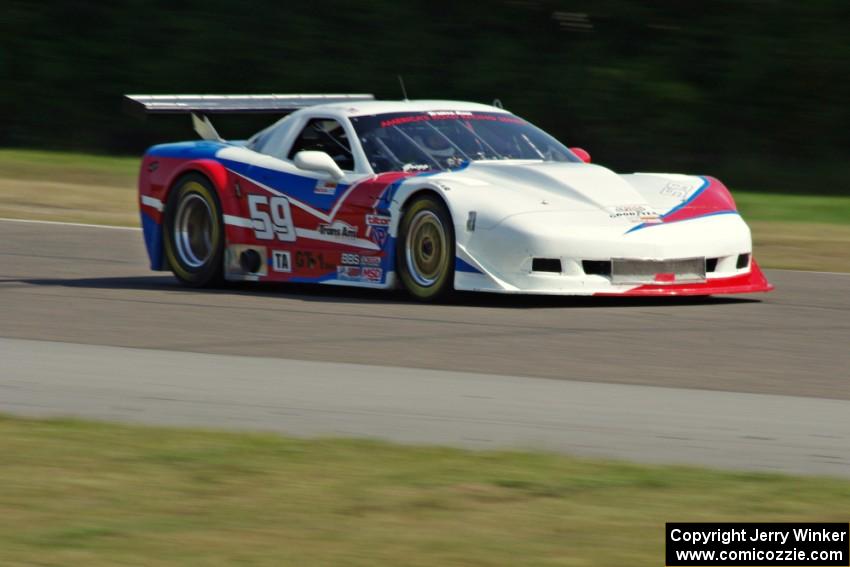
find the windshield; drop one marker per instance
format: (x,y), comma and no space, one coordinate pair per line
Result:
(443,140)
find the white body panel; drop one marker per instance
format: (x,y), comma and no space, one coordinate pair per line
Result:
(526,209)
(567,211)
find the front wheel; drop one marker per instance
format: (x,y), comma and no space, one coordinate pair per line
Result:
(193,232)
(426,249)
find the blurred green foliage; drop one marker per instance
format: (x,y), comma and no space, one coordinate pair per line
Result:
(753,91)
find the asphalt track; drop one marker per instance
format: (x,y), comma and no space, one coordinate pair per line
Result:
(778,363)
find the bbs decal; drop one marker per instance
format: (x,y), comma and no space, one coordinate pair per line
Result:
(349,259)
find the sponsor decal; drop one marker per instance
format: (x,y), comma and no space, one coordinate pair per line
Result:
(371,274)
(379,235)
(281,261)
(415,167)
(348,273)
(311,260)
(352,259)
(404,120)
(349,259)
(378,220)
(325,188)
(338,230)
(449,115)
(634,213)
(676,190)
(370,260)
(359,274)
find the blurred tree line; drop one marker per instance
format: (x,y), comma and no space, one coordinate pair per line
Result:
(753,91)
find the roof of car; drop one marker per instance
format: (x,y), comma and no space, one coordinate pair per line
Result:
(369,107)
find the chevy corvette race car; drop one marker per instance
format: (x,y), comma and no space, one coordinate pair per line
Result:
(430,195)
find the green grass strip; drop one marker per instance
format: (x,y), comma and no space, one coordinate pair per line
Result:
(77,493)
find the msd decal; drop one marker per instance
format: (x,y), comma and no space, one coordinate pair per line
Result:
(372,274)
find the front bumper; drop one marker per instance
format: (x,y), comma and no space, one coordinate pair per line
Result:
(502,259)
(752,282)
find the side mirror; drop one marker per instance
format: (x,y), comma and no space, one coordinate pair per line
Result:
(318,161)
(583,155)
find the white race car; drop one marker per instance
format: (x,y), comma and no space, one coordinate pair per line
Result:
(431,195)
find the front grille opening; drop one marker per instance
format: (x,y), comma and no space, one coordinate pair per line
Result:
(597,267)
(711,265)
(743,261)
(546,265)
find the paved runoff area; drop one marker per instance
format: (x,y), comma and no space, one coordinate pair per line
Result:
(754,382)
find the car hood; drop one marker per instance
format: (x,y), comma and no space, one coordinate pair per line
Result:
(570,185)
(499,189)
(514,187)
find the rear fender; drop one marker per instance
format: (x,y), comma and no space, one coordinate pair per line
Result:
(157,178)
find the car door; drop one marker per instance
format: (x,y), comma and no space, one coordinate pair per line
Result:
(327,216)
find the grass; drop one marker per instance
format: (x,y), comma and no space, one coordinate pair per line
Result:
(72,168)
(68,187)
(802,246)
(77,493)
(807,232)
(793,209)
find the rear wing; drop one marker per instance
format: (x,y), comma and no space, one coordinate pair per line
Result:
(234,104)
(199,106)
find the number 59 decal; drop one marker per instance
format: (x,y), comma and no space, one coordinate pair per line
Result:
(271,217)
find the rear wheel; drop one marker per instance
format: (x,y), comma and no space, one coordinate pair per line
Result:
(194,233)
(426,249)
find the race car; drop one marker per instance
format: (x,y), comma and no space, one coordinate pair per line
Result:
(431,195)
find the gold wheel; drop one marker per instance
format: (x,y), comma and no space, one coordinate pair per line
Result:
(425,248)
(425,256)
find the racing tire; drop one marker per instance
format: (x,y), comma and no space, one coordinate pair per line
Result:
(193,235)
(426,249)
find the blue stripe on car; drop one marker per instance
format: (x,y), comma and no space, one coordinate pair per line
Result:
(153,241)
(464,266)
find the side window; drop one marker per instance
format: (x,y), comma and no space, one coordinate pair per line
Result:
(270,141)
(325,135)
